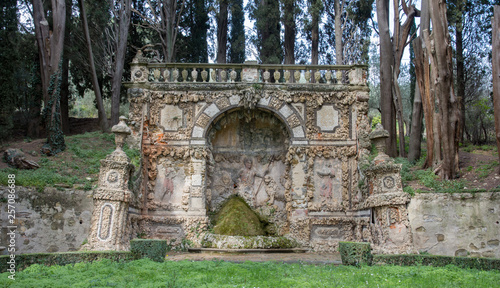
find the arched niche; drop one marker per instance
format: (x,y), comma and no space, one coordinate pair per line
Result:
(248,159)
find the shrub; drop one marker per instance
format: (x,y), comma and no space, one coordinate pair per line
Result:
(153,249)
(355,253)
(63,258)
(439,261)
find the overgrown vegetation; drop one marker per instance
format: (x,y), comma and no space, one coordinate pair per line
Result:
(439,261)
(79,164)
(355,253)
(63,258)
(146,273)
(153,249)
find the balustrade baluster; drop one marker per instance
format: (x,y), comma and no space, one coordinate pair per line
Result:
(266,75)
(317,76)
(277,76)
(156,75)
(233,75)
(296,75)
(184,75)
(213,76)
(194,74)
(328,76)
(307,75)
(175,74)
(287,76)
(166,75)
(223,75)
(204,75)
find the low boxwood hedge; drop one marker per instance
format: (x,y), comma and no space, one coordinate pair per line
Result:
(62,258)
(439,261)
(153,249)
(355,253)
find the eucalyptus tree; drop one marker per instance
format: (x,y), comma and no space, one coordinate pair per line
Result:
(50,40)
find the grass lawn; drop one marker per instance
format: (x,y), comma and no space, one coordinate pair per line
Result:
(146,273)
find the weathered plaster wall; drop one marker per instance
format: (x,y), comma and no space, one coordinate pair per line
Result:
(48,221)
(456,224)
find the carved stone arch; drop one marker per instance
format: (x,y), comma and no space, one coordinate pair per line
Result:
(288,114)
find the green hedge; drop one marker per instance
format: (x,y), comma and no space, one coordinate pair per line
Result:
(153,249)
(438,261)
(62,258)
(355,253)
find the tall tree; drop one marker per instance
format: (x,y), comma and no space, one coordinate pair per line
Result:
(391,50)
(496,70)
(103,119)
(191,44)
(290,30)
(439,44)
(50,47)
(164,17)
(8,56)
(387,107)
(222,25)
(267,22)
(117,43)
(315,9)
(237,33)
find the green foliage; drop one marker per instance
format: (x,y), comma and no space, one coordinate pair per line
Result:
(439,261)
(484,170)
(80,161)
(147,273)
(237,32)
(427,178)
(267,23)
(153,249)
(63,258)
(355,253)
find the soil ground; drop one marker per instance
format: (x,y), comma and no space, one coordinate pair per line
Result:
(32,147)
(309,258)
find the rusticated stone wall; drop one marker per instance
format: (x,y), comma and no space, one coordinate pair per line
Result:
(460,224)
(48,221)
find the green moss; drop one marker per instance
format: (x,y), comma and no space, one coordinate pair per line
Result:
(236,218)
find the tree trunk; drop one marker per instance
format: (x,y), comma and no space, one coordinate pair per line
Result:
(496,71)
(386,62)
(50,49)
(339,53)
(222,32)
(460,77)
(416,128)
(65,95)
(119,62)
(290,31)
(315,36)
(442,72)
(103,120)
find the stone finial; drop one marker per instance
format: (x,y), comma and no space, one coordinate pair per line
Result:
(378,137)
(121,131)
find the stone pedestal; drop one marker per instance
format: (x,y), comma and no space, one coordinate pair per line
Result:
(111,199)
(390,227)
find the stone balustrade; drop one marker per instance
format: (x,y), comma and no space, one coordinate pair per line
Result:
(144,71)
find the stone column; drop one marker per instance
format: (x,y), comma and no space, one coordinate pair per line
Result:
(390,227)
(111,199)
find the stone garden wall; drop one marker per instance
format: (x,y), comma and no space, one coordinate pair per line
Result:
(48,221)
(460,224)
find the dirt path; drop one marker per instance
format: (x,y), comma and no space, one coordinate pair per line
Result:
(308,258)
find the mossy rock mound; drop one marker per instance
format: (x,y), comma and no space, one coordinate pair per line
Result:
(236,218)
